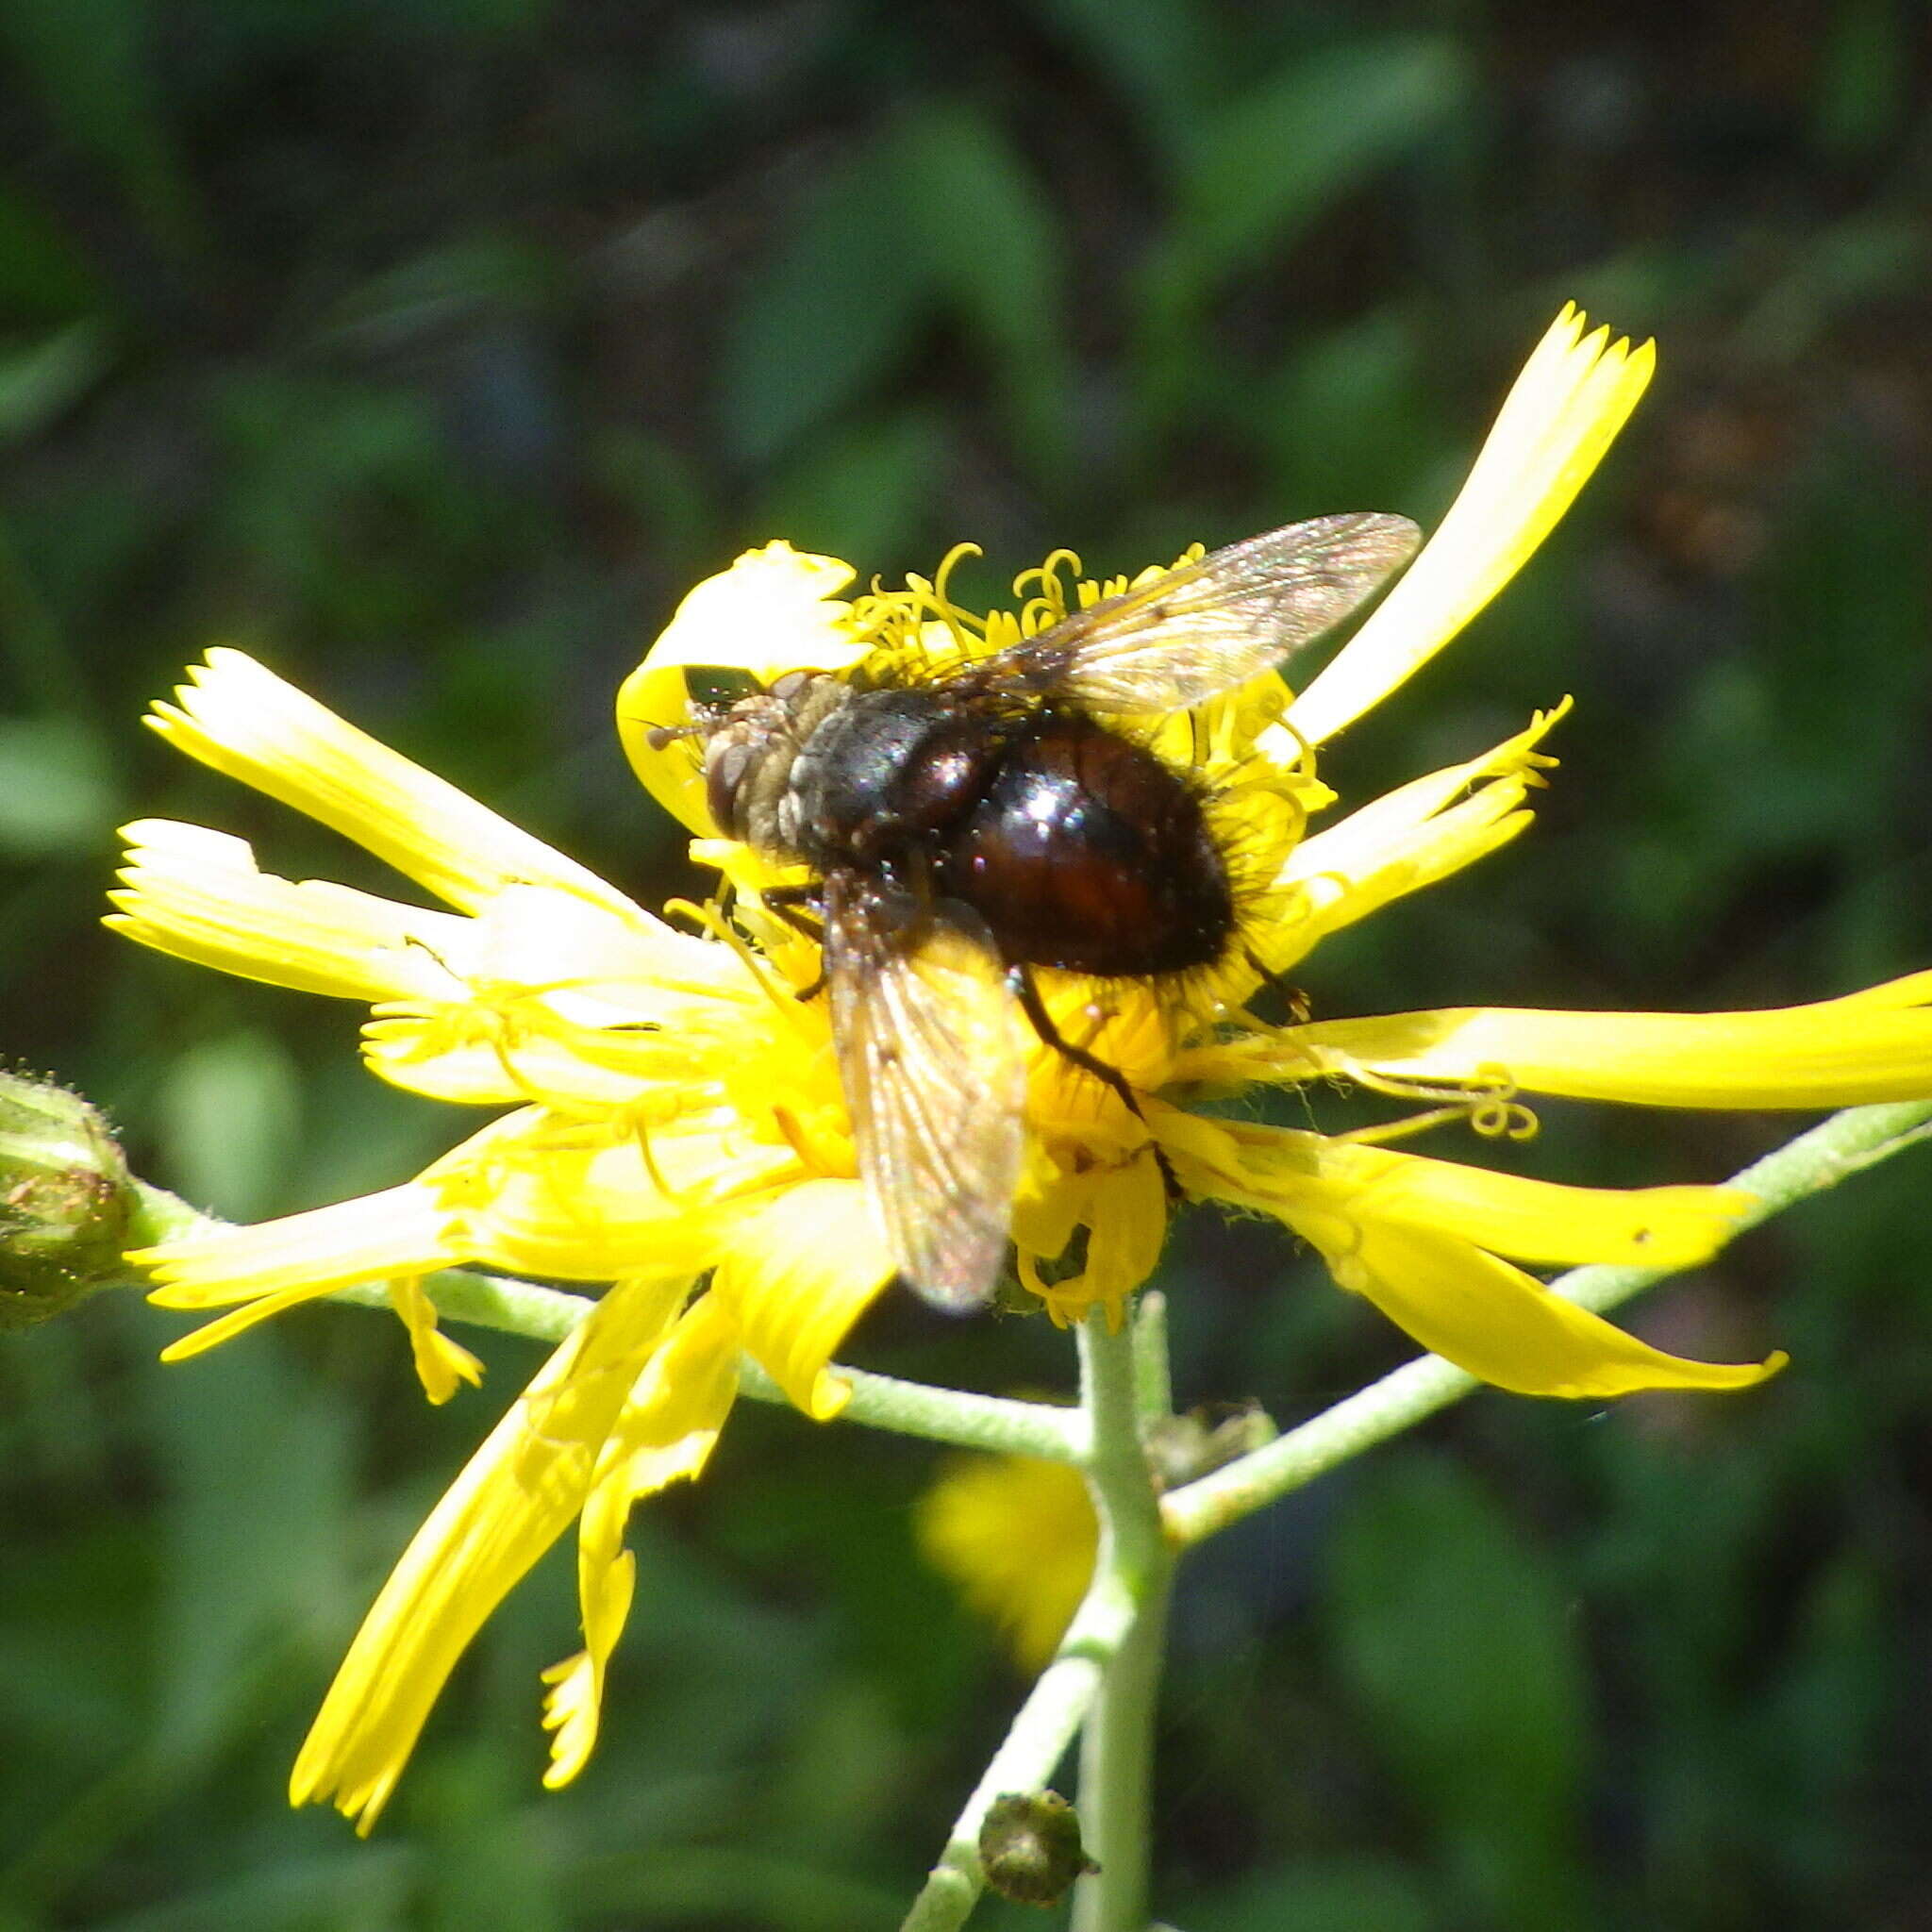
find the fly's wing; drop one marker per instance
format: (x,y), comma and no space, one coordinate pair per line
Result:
(1208,626)
(932,1050)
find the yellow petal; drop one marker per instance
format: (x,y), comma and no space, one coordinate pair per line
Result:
(1284,1169)
(1868,1046)
(797,1273)
(552,1199)
(1409,839)
(1500,1325)
(671,1422)
(775,610)
(1129,1228)
(526,1192)
(1127,1025)
(481,1057)
(1050,1202)
(1559,418)
(198,895)
(517,1494)
(400,1231)
(1125,1211)
(239,717)
(226,1328)
(664,1433)
(442,1364)
(573,1703)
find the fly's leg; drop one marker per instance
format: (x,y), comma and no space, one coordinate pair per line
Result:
(1290,995)
(1026,991)
(790,903)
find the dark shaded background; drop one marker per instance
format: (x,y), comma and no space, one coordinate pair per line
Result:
(430,351)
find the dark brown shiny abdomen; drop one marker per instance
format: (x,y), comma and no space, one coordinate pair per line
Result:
(1086,852)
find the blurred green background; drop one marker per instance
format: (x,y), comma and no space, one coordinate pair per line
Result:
(431,349)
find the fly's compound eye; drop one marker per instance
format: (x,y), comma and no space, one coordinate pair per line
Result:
(711,694)
(726,764)
(713,689)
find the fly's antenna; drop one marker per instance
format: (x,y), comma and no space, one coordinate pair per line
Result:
(716,692)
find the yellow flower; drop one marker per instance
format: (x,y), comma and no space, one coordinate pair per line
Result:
(1016,1536)
(671,1126)
(670,1122)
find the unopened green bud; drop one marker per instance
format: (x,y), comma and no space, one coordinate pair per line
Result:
(1030,1849)
(65,1201)
(1181,1448)
(1009,1297)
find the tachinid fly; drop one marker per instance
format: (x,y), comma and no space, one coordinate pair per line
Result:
(972,825)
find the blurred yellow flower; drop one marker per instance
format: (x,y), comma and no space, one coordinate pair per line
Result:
(671,1125)
(1016,1536)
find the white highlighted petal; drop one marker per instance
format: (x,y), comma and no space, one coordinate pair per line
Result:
(775,610)
(198,895)
(240,718)
(402,1230)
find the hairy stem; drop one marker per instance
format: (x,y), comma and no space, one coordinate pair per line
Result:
(1117,1751)
(548,1314)
(1104,1672)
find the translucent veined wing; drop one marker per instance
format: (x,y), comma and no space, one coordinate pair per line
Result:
(932,1049)
(1208,626)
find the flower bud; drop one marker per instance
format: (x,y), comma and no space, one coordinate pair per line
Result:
(1030,1847)
(1182,1448)
(65,1201)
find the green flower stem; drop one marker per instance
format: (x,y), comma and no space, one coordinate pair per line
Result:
(548,1314)
(1117,1749)
(1117,1770)
(487,1301)
(945,1415)
(1108,1663)
(1061,1698)
(1153,1378)
(1831,1152)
